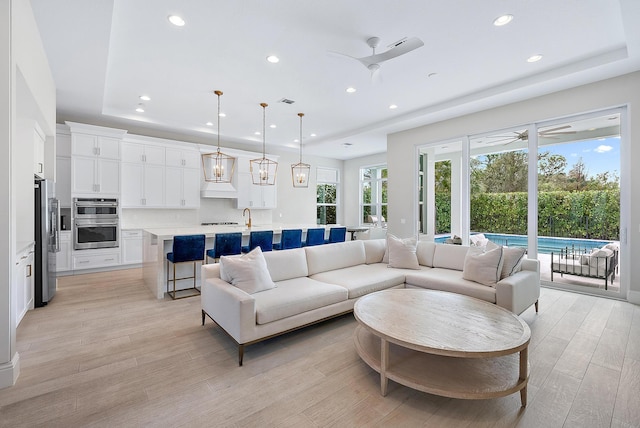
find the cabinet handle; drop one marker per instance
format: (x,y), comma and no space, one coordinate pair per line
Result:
(95,151)
(109,260)
(83,261)
(40,167)
(144,158)
(29,271)
(99,153)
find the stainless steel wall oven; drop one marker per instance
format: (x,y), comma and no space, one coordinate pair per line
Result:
(96,223)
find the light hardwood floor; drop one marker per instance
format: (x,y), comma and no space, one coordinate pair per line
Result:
(106,353)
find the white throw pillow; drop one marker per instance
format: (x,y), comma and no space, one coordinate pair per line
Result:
(598,257)
(512,260)
(481,266)
(248,272)
(402,252)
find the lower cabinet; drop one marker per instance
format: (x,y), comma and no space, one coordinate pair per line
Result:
(23,295)
(90,259)
(63,258)
(131,243)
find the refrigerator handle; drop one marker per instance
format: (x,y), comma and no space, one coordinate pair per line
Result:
(55,224)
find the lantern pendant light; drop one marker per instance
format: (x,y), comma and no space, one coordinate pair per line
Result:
(300,171)
(263,170)
(218,167)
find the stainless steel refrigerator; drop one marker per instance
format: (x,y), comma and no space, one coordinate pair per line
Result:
(47,233)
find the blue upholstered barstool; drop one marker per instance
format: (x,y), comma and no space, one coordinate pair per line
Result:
(226,244)
(314,237)
(259,238)
(289,238)
(186,249)
(336,234)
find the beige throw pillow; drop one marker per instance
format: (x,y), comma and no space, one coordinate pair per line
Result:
(402,252)
(512,260)
(248,272)
(483,267)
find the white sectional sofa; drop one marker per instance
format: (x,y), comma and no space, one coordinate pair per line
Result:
(321,282)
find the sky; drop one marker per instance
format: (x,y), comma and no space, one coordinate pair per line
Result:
(598,155)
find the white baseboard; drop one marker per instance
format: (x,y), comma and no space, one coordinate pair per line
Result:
(633,297)
(9,372)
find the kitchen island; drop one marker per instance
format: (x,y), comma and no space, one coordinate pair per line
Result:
(157,242)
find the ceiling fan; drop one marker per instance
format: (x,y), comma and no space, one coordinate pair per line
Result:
(373,61)
(524,136)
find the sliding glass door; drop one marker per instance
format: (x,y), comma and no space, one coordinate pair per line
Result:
(552,187)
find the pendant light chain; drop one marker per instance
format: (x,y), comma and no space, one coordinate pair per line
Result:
(218,93)
(264,121)
(300,114)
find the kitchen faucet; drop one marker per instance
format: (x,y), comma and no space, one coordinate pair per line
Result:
(248,224)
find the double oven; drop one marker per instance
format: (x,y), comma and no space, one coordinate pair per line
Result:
(95,223)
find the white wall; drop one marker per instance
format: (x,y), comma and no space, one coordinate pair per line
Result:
(623,90)
(23,58)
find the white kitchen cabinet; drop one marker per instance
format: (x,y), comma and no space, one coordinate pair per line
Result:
(187,158)
(93,175)
(63,257)
(23,295)
(142,185)
(131,244)
(91,259)
(182,187)
(95,146)
(63,181)
(142,153)
(254,196)
(38,152)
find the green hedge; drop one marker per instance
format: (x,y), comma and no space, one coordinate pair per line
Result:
(591,214)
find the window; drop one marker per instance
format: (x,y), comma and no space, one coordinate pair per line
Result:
(373,191)
(327,196)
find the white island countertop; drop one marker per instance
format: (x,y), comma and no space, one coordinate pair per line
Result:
(209,231)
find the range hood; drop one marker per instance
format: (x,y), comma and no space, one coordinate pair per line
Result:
(218,190)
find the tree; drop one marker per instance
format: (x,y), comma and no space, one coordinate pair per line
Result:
(577,176)
(551,175)
(506,172)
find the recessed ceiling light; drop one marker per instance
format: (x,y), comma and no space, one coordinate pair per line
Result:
(209,123)
(145,98)
(534,58)
(313,135)
(176,20)
(502,20)
(296,141)
(351,90)
(393,106)
(222,114)
(256,133)
(273,59)
(272,126)
(140,110)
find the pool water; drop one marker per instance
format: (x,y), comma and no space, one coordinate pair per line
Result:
(546,245)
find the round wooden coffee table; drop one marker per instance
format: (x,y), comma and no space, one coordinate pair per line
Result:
(443,343)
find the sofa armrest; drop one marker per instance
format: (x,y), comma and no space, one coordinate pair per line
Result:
(231,308)
(520,290)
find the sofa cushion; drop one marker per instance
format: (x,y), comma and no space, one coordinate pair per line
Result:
(374,250)
(322,258)
(482,266)
(425,251)
(512,260)
(248,272)
(363,279)
(449,256)
(286,264)
(449,280)
(295,296)
(402,252)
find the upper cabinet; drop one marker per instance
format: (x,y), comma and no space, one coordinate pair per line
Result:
(38,151)
(95,160)
(183,158)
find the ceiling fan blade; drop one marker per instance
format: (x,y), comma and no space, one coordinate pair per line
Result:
(558,133)
(554,129)
(401,48)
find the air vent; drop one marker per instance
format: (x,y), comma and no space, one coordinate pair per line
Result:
(286,101)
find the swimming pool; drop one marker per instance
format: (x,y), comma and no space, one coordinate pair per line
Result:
(546,245)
